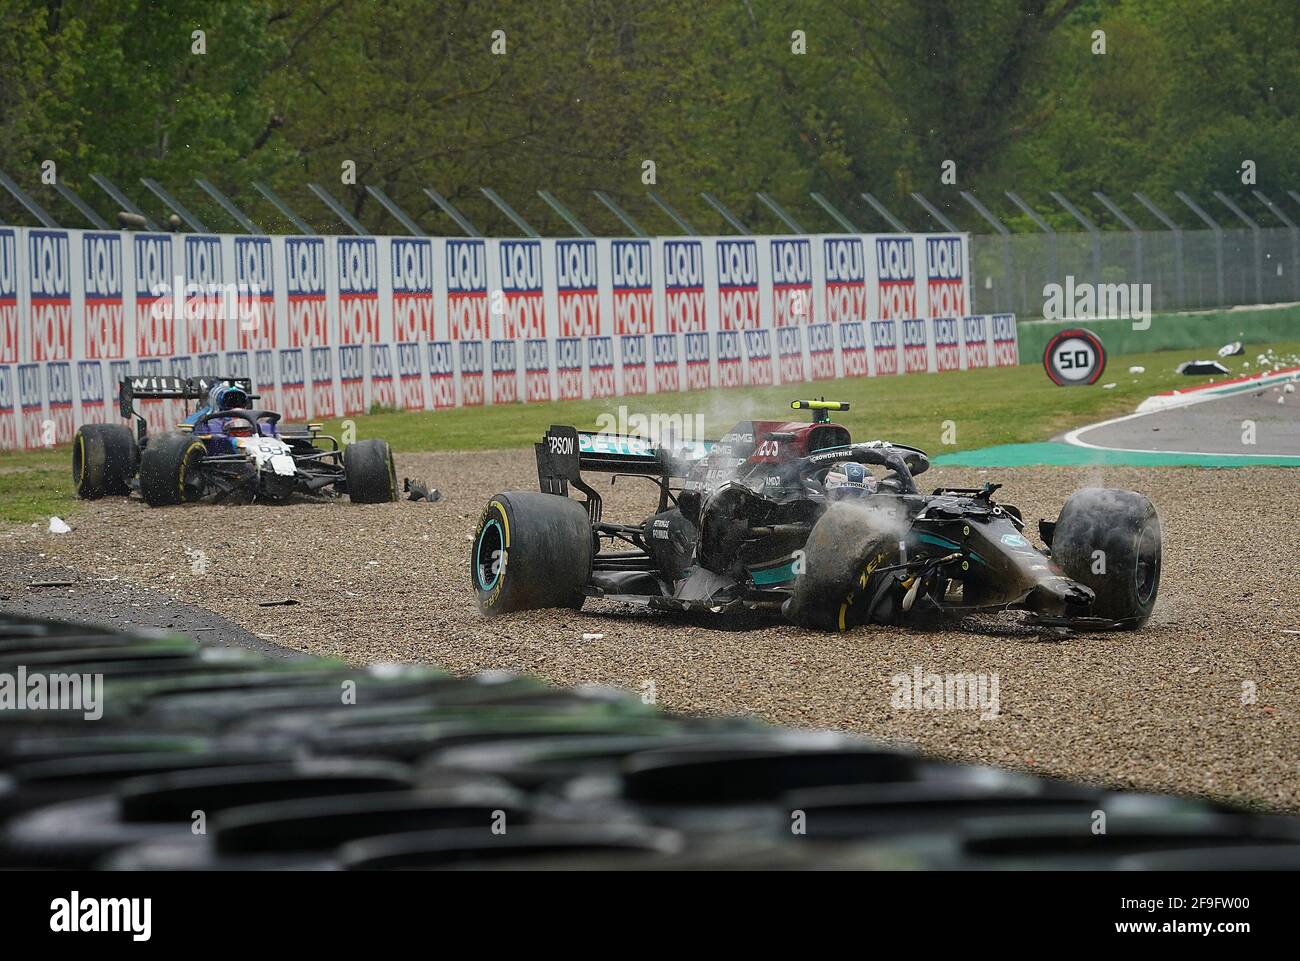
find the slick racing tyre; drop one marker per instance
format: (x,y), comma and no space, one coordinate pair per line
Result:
(835,588)
(371,476)
(530,550)
(171,469)
(1109,540)
(104,459)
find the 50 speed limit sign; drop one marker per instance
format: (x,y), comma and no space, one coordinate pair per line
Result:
(1074,357)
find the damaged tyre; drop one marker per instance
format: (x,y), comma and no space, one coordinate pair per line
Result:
(531,550)
(1110,541)
(835,589)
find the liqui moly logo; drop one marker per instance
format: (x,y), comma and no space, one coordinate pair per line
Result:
(600,366)
(32,405)
(8,296)
(8,423)
(102,280)
(789,348)
(975,337)
(537,371)
(505,372)
(853,349)
(729,361)
(576,282)
(205,311)
(568,367)
(896,277)
(410,376)
(381,376)
(255,278)
(470,353)
(155,314)
(412,289)
(696,347)
(916,347)
(90,388)
(846,279)
(947,344)
(667,374)
(442,371)
(758,349)
(236,364)
(791,282)
(467,304)
(737,284)
(521,286)
(684,285)
(821,351)
(358,263)
(945,273)
(1006,351)
(884,344)
(322,382)
(264,364)
(633,287)
(58,382)
(50,275)
(305,284)
(632,351)
(352,379)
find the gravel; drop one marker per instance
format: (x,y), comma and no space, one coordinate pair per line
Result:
(1203,700)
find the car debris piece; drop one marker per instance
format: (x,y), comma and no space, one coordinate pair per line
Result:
(1137,370)
(1201,368)
(1232,350)
(59,526)
(284,602)
(419,492)
(50,584)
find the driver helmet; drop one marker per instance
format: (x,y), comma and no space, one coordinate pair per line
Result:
(849,479)
(227,397)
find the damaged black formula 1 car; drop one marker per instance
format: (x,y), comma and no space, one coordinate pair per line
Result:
(796,520)
(223,447)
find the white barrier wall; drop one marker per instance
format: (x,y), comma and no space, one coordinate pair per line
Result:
(328,326)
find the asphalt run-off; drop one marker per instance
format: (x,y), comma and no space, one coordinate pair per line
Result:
(1246,422)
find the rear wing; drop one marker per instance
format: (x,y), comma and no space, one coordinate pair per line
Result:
(565,452)
(129,389)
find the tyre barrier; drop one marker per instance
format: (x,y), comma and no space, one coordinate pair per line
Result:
(207,758)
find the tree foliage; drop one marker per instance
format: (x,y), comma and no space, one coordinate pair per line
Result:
(416,93)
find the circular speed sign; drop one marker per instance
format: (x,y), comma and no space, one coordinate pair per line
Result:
(1074,357)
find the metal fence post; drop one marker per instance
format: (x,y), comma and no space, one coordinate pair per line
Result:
(284,208)
(1053,269)
(1008,256)
(339,210)
(935,212)
(33,208)
(726,214)
(157,189)
(83,208)
(881,209)
(1281,215)
(450,210)
(619,212)
(1258,237)
(228,205)
(673,215)
(1131,224)
(1089,226)
(780,212)
(1218,241)
(1177,231)
(400,215)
